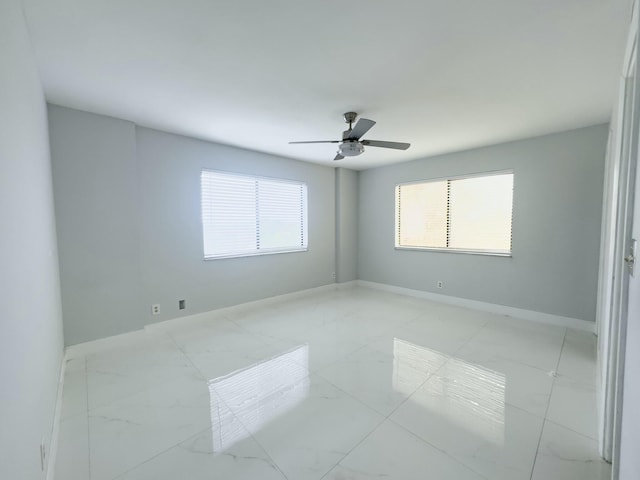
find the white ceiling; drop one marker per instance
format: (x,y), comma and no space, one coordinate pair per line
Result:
(443,75)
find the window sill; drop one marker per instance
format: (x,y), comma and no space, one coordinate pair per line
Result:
(490,253)
(254,254)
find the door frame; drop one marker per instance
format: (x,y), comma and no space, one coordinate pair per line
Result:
(619,188)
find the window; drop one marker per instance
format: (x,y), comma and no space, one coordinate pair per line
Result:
(470,214)
(245,215)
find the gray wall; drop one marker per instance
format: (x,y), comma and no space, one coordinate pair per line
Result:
(346,224)
(30,314)
(556,226)
(171,256)
(96,198)
(130,235)
(127,202)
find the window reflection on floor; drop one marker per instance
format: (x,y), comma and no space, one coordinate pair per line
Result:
(410,361)
(468,395)
(257,395)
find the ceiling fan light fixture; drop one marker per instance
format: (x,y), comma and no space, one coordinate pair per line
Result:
(350,149)
(352,143)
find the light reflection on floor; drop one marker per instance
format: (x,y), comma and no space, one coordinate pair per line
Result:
(469,395)
(379,404)
(409,358)
(257,395)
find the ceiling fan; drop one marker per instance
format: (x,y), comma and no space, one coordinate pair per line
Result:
(351,144)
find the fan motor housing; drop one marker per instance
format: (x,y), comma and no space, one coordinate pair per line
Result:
(350,149)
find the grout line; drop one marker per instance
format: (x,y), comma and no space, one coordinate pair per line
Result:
(546,420)
(433,374)
(187,357)
(209,428)
(347,394)
(410,318)
(120,475)
(438,449)
(429,377)
(222,400)
(384,419)
(437,370)
(546,412)
(200,432)
(506,359)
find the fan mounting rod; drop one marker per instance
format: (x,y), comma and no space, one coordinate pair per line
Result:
(350,117)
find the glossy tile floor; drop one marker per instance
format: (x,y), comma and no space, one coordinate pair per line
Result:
(345,384)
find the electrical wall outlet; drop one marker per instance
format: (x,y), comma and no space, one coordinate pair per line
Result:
(155,309)
(333,275)
(182,304)
(440,283)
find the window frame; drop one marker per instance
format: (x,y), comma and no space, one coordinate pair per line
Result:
(269,251)
(488,252)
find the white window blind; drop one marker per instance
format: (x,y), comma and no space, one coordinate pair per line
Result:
(246,215)
(472,214)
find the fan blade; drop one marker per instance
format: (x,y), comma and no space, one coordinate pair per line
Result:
(319,141)
(378,143)
(338,157)
(362,127)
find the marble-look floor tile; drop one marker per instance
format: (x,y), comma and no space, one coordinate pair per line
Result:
(465,317)
(535,345)
(121,372)
(525,387)
(394,453)
(578,359)
(373,319)
(289,323)
(566,455)
(306,427)
(384,374)
(300,328)
(221,335)
(132,430)
(226,451)
(325,349)
(506,323)
(212,365)
(260,391)
(368,326)
(442,333)
(464,414)
(299,388)
(72,458)
(573,405)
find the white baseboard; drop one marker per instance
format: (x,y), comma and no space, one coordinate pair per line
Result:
(55,429)
(86,348)
(346,285)
(518,313)
(94,346)
(261,303)
(82,349)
